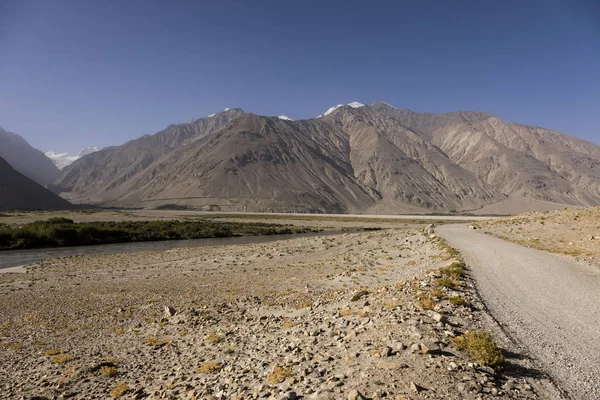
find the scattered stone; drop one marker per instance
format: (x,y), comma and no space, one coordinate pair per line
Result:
(430,348)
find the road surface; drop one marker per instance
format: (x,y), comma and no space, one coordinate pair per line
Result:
(547,303)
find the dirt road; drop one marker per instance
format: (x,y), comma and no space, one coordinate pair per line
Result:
(547,303)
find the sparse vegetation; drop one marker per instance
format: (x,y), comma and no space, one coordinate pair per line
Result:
(61,358)
(279,374)
(447,283)
(158,342)
(214,338)
(455,270)
(481,347)
(426,302)
(108,371)
(119,390)
(459,301)
(209,367)
(56,232)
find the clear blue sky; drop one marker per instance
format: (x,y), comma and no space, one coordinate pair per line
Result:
(76,73)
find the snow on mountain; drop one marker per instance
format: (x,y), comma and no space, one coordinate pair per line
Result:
(62,160)
(329,111)
(356,104)
(88,150)
(285,118)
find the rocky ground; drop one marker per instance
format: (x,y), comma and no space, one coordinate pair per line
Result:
(572,232)
(353,316)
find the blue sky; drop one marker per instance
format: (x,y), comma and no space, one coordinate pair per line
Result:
(77,73)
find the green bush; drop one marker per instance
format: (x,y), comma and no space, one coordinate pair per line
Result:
(455,270)
(64,232)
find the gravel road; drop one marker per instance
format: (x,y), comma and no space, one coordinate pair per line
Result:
(547,303)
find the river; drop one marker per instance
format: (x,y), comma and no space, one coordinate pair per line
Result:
(15,258)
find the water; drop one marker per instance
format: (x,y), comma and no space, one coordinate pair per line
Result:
(14,258)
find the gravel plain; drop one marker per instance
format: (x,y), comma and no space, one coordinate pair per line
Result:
(332,317)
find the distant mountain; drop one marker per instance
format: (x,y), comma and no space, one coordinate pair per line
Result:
(353,158)
(18,192)
(61,160)
(27,160)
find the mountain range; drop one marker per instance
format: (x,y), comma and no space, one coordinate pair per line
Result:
(353,158)
(62,160)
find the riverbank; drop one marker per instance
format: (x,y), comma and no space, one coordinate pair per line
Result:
(59,232)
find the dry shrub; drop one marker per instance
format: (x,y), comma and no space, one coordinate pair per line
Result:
(279,374)
(447,283)
(426,302)
(436,293)
(61,358)
(455,270)
(459,301)
(209,367)
(214,338)
(119,390)
(108,370)
(157,342)
(481,347)
(287,324)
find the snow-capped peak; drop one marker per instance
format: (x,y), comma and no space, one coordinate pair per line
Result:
(329,111)
(356,104)
(88,150)
(61,160)
(227,109)
(211,115)
(285,118)
(53,154)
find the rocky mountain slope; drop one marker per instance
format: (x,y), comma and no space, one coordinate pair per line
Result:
(17,192)
(26,159)
(351,159)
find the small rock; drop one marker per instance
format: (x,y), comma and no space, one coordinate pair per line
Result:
(170,311)
(359,295)
(355,395)
(437,317)
(416,388)
(291,395)
(385,351)
(430,349)
(390,365)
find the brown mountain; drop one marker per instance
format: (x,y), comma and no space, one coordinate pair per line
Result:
(18,192)
(374,158)
(27,160)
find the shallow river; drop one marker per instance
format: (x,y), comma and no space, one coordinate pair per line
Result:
(14,258)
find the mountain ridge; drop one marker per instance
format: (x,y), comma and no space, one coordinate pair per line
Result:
(18,192)
(372,158)
(24,158)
